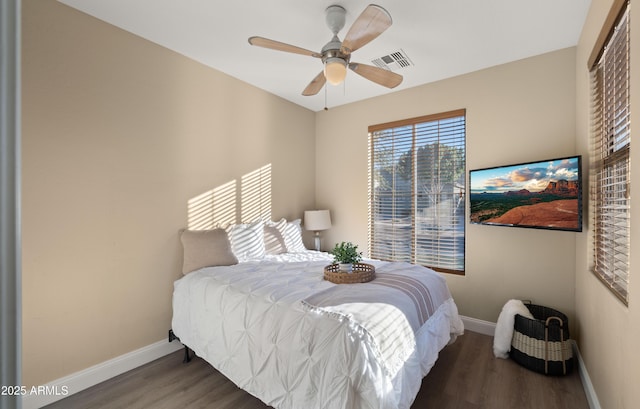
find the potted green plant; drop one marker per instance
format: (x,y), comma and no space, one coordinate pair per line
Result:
(346,255)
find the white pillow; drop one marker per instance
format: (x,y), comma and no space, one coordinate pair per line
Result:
(274,238)
(292,233)
(247,240)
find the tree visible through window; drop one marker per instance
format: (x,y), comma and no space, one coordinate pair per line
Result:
(417,180)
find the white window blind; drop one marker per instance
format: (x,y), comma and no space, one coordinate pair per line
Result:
(417,180)
(611,144)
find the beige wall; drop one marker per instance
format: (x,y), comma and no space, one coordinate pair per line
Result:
(609,331)
(118,135)
(515,113)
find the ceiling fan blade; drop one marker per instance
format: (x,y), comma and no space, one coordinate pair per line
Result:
(315,85)
(369,25)
(380,76)
(277,45)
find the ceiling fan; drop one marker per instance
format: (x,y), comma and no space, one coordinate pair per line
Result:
(336,54)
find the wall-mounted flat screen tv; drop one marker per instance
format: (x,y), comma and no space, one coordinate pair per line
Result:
(544,195)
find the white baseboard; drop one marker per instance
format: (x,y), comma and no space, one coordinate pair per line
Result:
(589,390)
(76,382)
(479,326)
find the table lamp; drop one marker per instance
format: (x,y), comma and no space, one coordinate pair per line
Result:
(316,221)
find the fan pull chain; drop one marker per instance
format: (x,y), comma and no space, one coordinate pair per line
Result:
(325,97)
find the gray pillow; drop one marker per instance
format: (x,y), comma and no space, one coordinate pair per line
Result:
(206,248)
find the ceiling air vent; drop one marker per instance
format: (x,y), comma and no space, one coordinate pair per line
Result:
(393,61)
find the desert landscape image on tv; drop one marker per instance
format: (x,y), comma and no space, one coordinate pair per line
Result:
(545,194)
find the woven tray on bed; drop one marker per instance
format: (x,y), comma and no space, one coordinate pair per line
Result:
(542,344)
(362,273)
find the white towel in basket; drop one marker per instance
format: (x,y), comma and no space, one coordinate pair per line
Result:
(504,327)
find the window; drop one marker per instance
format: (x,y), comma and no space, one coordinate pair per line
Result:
(610,152)
(417,191)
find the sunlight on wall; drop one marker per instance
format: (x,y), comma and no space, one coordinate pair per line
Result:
(228,203)
(255,193)
(217,207)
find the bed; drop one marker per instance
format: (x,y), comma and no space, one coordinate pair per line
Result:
(272,325)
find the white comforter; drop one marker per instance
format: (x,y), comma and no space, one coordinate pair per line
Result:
(253,323)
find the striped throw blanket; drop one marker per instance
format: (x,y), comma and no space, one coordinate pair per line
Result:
(391,309)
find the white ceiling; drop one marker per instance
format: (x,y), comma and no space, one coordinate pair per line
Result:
(443,38)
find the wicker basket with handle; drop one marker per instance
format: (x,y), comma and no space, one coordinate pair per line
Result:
(542,344)
(361,273)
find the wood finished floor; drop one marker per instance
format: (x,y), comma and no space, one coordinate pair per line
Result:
(466,376)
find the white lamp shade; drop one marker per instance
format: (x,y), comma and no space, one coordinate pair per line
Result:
(335,70)
(316,220)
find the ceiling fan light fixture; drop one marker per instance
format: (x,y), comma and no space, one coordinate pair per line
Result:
(335,70)
(336,54)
